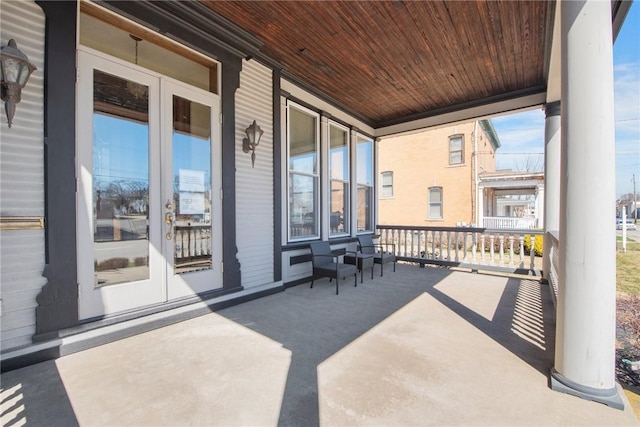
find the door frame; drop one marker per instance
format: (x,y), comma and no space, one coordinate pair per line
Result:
(119,298)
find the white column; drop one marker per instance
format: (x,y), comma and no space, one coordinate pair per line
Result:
(585,323)
(480,203)
(551,220)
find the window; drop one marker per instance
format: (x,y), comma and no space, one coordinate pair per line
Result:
(339,180)
(304,142)
(364,170)
(435,203)
(387,184)
(456,151)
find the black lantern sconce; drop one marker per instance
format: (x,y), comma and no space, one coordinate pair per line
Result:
(249,144)
(15,70)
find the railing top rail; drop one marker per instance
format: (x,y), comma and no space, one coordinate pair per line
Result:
(515,231)
(423,228)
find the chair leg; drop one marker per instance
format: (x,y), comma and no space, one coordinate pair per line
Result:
(394,266)
(337,280)
(312,279)
(372,272)
(381,269)
(355,279)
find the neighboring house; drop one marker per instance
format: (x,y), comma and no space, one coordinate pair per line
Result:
(511,200)
(430,178)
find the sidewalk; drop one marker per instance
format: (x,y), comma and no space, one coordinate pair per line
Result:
(417,347)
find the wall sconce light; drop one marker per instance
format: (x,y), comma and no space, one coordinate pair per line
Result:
(249,144)
(15,70)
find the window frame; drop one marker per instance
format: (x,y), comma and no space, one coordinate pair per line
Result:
(346,215)
(383,185)
(316,175)
(430,203)
(371,187)
(461,150)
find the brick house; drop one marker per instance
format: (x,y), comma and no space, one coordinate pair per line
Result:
(429,178)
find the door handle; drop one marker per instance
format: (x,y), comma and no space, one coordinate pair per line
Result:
(168,218)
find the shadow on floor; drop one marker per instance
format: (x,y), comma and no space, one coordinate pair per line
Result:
(315,323)
(38,383)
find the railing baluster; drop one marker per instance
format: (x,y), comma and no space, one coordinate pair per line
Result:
(532,255)
(501,240)
(404,246)
(521,239)
(510,250)
(474,247)
(492,239)
(456,256)
(482,250)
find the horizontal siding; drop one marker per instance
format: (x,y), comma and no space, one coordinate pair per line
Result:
(22,180)
(254,186)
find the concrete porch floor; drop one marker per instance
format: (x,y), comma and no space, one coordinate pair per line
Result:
(418,347)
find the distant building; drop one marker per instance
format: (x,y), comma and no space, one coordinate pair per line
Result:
(430,178)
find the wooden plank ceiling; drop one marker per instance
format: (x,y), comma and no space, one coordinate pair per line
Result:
(388,61)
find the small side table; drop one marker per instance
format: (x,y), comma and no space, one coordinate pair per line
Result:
(360,260)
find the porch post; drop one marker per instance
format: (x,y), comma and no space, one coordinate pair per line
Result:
(551,220)
(586,317)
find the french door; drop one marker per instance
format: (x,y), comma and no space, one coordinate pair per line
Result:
(149,208)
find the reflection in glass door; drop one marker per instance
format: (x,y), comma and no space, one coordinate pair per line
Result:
(192,185)
(192,221)
(120,180)
(119,241)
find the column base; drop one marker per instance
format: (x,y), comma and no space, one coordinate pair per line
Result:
(609,397)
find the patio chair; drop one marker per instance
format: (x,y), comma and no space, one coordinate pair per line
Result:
(325,264)
(381,253)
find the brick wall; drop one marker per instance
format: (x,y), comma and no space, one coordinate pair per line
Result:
(420,161)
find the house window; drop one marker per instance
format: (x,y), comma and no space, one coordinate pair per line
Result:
(435,203)
(456,150)
(339,180)
(304,177)
(364,171)
(387,184)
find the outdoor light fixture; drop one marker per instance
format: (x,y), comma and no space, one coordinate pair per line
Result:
(254,133)
(15,70)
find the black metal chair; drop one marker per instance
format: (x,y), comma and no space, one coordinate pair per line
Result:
(326,264)
(381,253)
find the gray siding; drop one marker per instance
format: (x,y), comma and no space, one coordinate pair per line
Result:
(22,179)
(254,186)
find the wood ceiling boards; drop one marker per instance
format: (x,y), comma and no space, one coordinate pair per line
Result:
(387,61)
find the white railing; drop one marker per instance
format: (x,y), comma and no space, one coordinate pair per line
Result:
(509,223)
(554,264)
(475,248)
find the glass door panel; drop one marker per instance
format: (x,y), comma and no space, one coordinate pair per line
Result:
(120,180)
(193,226)
(119,241)
(192,185)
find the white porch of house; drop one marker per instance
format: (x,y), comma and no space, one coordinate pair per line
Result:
(511,200)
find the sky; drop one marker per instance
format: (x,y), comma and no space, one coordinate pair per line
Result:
(522,134)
